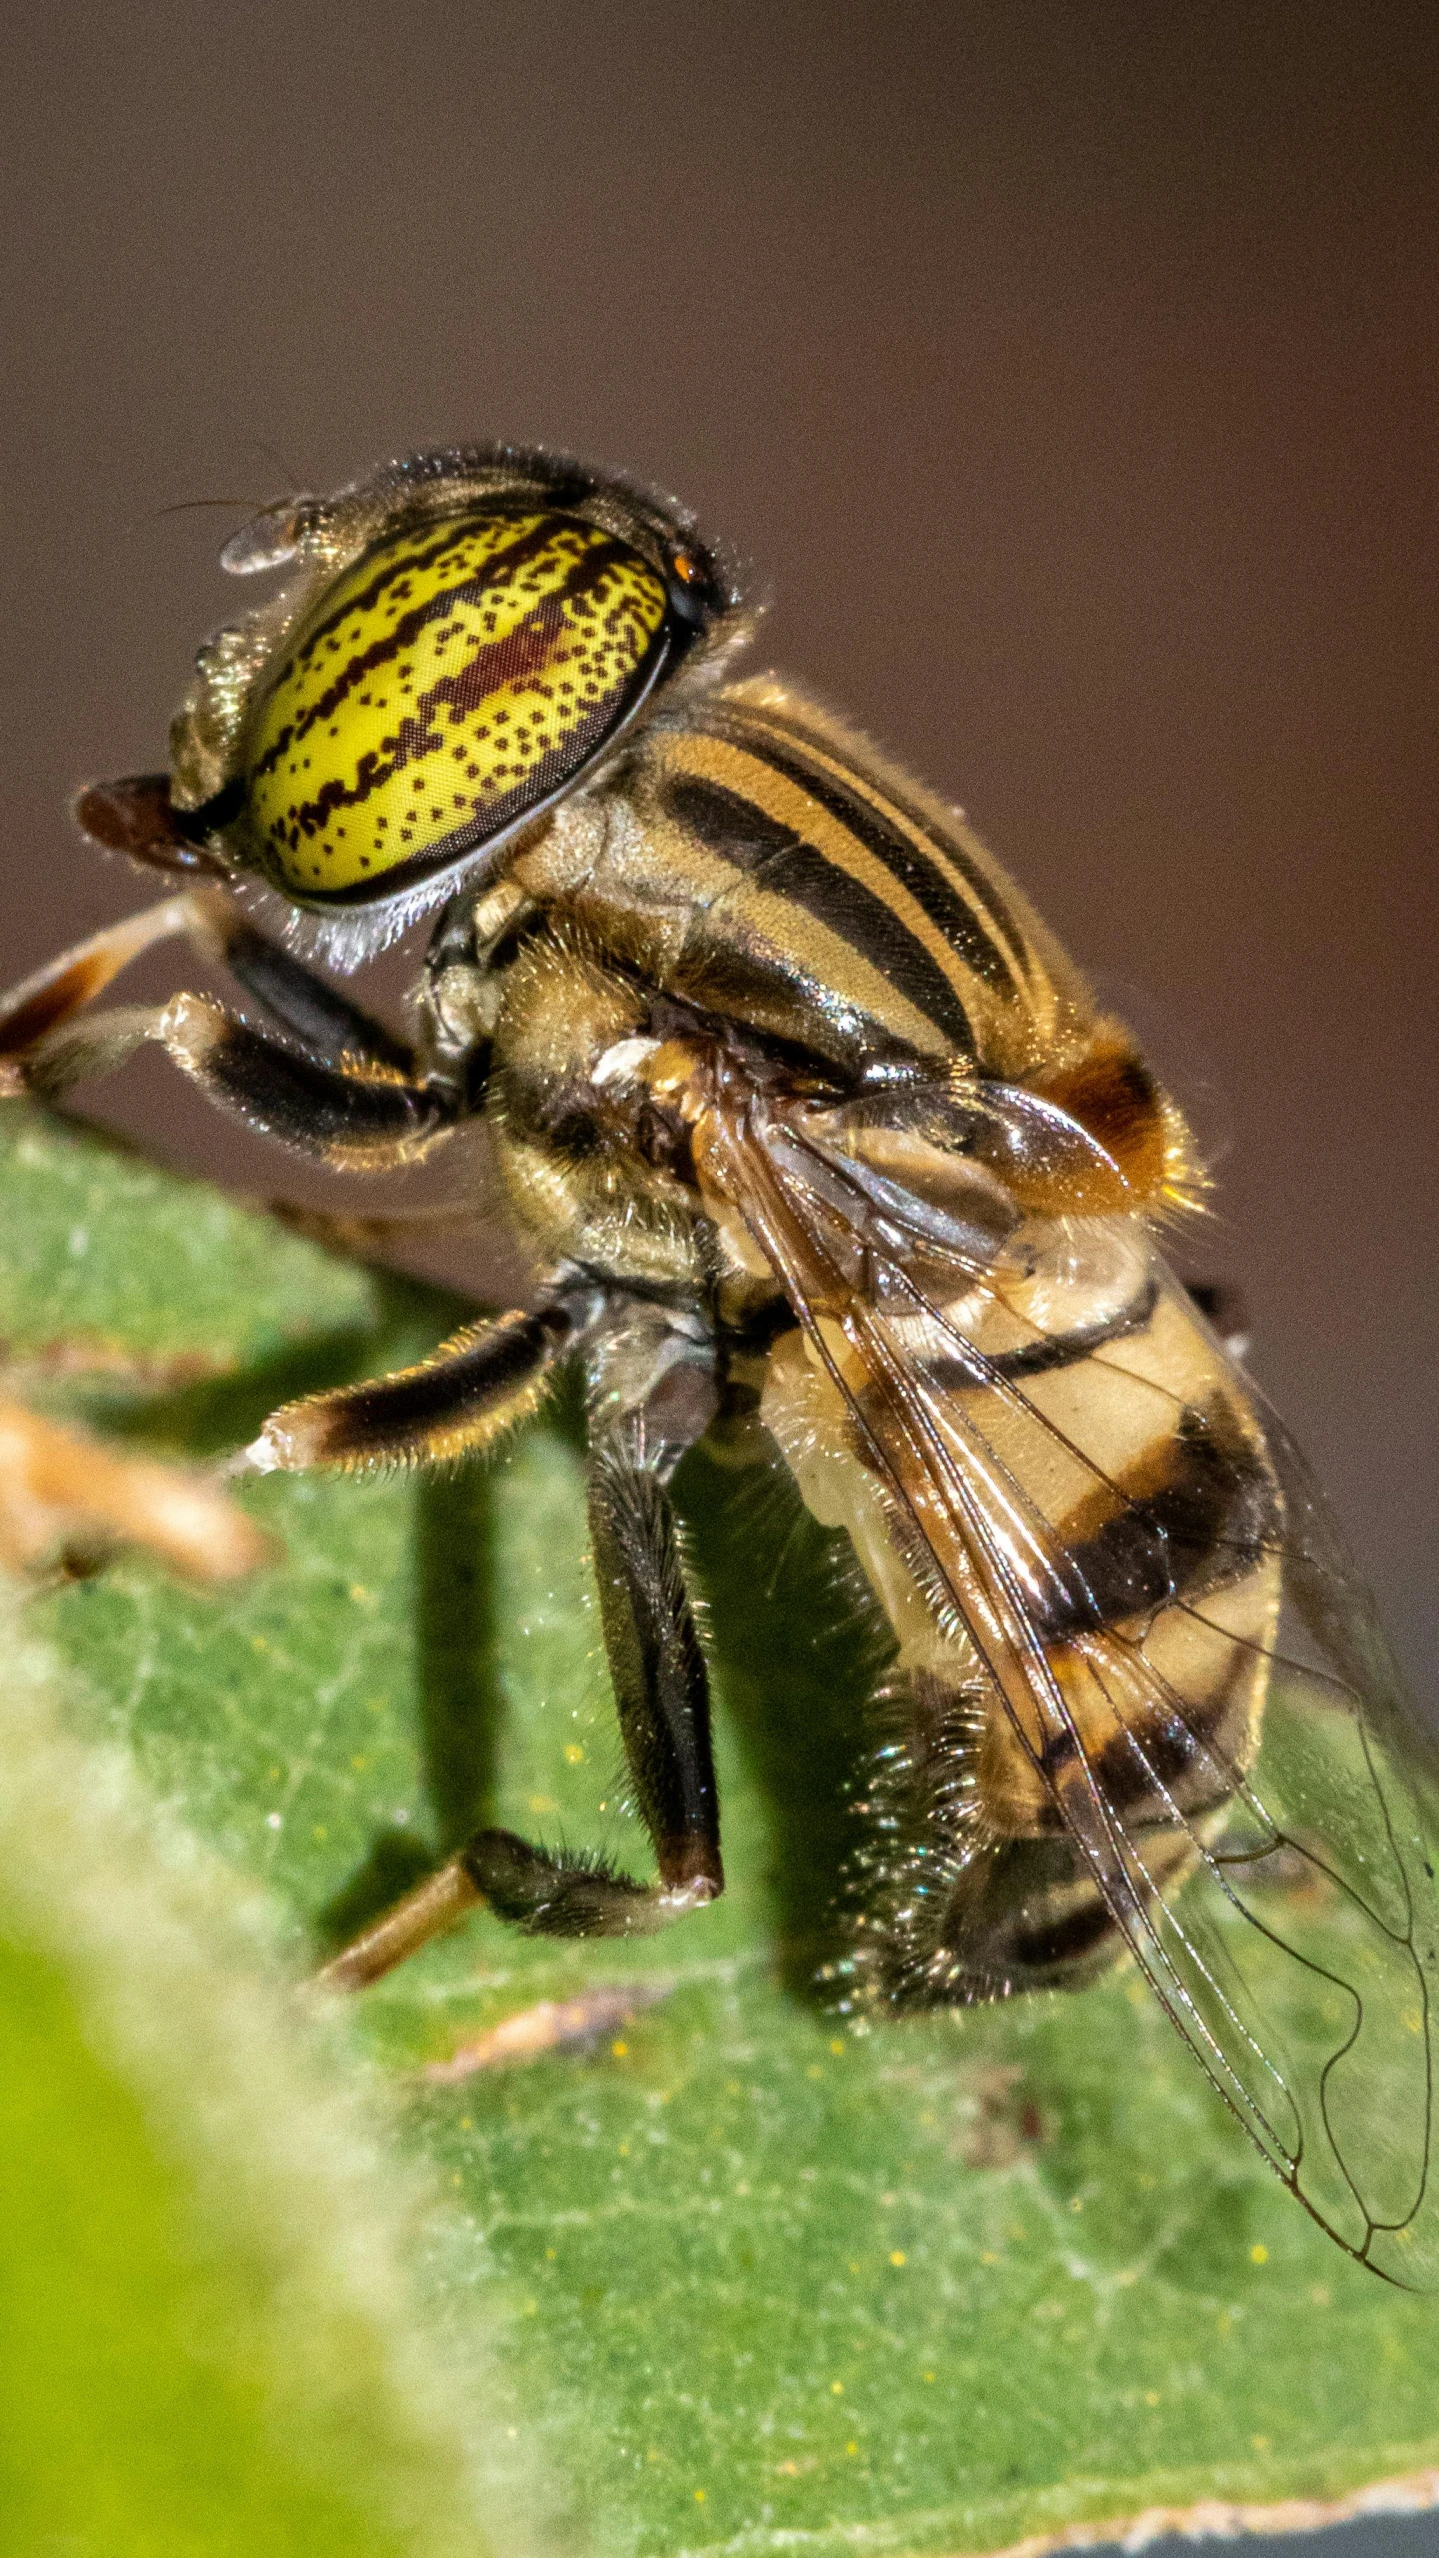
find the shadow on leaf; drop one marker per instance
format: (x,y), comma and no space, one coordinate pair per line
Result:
(798,1652)
(460,1701)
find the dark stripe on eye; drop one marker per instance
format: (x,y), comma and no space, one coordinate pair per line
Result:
(987,894)
(547,615)
(523,651)
(528,798)
(454,533)
(782,862)
(915,870)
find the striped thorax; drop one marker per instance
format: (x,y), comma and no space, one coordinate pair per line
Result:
(766,862)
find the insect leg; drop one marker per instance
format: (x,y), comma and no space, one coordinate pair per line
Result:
(474,1387)
(453,1404)
(661,1694)
(354,1115)
(651,1394)
(67,983)
(660,1680)
(293,995)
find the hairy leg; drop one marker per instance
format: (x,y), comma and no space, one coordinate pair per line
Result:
(357,1115)
(296,997)
(468,1393)
(662,1701)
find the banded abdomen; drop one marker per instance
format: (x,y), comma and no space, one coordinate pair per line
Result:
(1121,1475)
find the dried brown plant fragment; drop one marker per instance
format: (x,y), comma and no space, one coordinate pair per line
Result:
(68,1503)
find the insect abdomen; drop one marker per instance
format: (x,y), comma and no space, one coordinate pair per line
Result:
(1138,1471)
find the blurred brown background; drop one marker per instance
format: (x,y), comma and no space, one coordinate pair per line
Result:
(1066,372)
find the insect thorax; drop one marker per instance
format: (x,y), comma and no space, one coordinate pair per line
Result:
(752,856)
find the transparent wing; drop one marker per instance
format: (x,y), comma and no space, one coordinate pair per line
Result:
(1094,1501)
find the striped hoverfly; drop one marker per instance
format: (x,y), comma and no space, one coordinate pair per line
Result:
(819,1143)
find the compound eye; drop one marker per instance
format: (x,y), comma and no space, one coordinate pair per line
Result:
(444,690)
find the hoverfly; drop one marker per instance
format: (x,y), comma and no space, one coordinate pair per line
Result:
(812,1127)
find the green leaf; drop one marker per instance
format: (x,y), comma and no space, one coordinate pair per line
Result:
(932,2287)
(209,2331)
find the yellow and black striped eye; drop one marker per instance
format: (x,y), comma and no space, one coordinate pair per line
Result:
(453,682)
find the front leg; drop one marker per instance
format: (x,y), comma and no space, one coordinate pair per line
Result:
(342,1087)
(294,995)
(357,1114)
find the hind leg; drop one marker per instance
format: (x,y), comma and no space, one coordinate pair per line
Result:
(661,1697)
